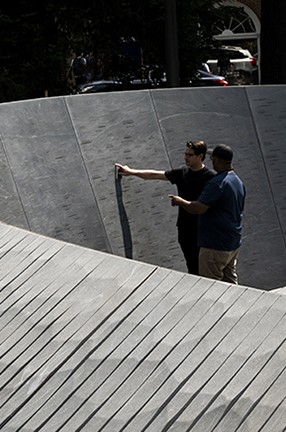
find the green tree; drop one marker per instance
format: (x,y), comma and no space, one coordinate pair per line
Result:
(38,39)
(31,51)
(197,24)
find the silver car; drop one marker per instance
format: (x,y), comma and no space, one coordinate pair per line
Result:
(241,61)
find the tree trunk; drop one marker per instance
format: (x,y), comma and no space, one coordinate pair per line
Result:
(172,56)
(273,41)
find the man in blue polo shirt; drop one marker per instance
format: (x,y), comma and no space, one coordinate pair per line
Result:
(220,207)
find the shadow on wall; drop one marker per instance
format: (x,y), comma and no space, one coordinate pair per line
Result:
(126,232)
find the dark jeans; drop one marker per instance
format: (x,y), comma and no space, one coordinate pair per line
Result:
(190,249)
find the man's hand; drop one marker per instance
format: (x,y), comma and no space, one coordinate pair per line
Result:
(193,207)
(175,200)
(123,170)
(145,174)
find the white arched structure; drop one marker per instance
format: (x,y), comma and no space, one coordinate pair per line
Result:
(248,27)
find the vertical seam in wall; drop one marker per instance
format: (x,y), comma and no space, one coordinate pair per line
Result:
(87,174)
(259,140)
(14,181)
(160,127)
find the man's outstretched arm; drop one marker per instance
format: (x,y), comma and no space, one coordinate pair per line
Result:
(125,170)
(194,207)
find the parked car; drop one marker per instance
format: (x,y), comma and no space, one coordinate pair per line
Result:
(101,86)
(242,62)
(140,84)
(114,85)
(203,78)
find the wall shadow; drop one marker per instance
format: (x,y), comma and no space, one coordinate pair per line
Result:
(125,227)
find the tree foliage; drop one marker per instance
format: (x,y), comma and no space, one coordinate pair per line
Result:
(38,39)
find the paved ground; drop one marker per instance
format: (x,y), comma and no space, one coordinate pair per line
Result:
(92,341)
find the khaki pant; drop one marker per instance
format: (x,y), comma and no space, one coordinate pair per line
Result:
(216,264)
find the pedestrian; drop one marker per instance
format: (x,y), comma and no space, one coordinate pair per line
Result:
(90,67)
(220,208)
(190,181)
(223,63)
(78,66)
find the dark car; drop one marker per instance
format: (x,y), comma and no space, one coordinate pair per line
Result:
(203,78)
(113,85)
(101,86)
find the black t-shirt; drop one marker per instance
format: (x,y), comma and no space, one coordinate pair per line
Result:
(189,185)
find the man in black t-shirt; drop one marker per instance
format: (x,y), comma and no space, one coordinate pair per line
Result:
(190,181)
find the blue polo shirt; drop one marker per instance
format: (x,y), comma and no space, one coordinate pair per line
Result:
(220,227)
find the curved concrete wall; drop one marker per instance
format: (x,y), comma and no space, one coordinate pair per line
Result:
(57,170)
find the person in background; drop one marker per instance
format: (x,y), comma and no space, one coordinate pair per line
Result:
(220,208)
(190,181)
(78,67)
(223,63)
(90,67)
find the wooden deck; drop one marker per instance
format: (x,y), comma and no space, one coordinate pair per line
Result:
(95,342)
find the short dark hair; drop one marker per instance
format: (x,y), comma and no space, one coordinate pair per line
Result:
(223,152)
(198,147)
